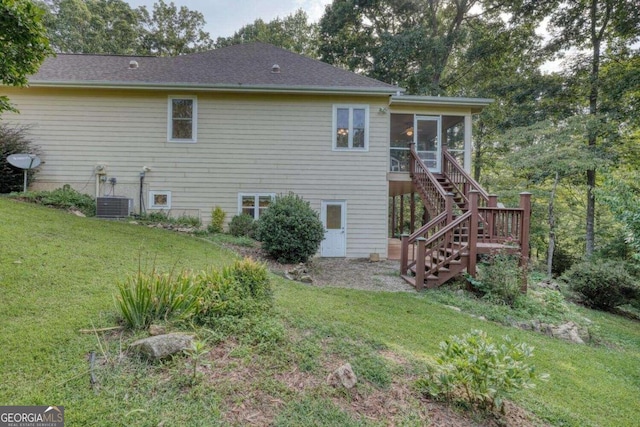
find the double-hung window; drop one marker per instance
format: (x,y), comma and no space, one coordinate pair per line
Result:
(182,119)
(254,204)
(351,127)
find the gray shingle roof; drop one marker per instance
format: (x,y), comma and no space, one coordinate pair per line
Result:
(240,66)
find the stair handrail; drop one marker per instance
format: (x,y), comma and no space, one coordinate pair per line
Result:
(420,232)
(451,167)
(421,173)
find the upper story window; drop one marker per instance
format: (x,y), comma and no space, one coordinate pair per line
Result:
(182,119)
(351,127)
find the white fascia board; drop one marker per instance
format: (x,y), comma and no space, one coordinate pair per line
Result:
(349,90)
(476,104)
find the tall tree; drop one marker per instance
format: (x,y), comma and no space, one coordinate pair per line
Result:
(588,26)
(169,31)
(23,44)
(294,33)
(93,26)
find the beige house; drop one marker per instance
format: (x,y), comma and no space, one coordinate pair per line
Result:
(234,127)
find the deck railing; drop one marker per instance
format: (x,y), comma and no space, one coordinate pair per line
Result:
(462,181)
(431,191)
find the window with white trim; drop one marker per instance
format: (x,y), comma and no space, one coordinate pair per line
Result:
(351,127)
(159,199)
(182,119)
(254,204)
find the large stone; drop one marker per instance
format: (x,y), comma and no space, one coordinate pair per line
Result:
(162,346)
(567,331)
(344,376)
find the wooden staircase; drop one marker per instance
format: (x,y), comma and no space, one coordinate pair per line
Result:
(466,222)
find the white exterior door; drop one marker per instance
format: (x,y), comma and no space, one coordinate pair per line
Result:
(334,218)
(428,142)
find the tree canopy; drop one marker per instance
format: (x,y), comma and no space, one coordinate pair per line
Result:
(23,44)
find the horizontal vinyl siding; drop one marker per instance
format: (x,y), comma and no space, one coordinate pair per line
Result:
(245,144)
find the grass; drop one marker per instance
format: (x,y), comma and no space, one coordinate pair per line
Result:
(58,274)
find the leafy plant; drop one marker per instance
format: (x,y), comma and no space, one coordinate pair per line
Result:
(217,220)
(499,279)
(483,373)
(242,226)
(602,285)
(239,290)
(61,198)
(13,140)
(290,230)
(196,353)
(148,297)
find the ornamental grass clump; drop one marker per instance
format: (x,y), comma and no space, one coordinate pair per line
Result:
(239,290)
(148,297)
(475,369)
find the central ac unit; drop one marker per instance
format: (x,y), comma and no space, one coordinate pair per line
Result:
(113,207)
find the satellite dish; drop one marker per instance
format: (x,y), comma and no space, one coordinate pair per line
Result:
(24,161)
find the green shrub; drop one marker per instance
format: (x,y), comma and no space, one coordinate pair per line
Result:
(602,285)
(217,220)
(242,226)
(479,371)
(145,298)
(242,289)
(499,279)
(290,230)
(61,198)
(162,217)
(13,140)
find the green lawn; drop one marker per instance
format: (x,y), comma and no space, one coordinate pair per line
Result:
(58,275)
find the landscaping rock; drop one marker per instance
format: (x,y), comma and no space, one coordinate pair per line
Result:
(299,273)
(76,212)
(568,331)
(548,284)
(162,346)
(155,330)
(344,376)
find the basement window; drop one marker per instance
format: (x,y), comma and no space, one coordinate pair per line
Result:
(182,119)
(159,199)
(254,204)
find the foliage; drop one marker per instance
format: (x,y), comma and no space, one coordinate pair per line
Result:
(61,198)
(196,353)
(623,198)
(148,297)
(13,140)
(217,220)
(93,26)
(499,278)
(483,372)
(243,226)
(23,44)
(293,33)
(162,217)
(114,27)
(169,31)
(290,230)
(242,289)
(602,285)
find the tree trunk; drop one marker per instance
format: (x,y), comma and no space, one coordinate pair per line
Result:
(552,226)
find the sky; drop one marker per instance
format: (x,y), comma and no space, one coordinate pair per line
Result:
(225,17)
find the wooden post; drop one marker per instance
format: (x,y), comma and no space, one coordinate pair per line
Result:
(393,217)
(401,225)
(448,207)
(412,205)
(404,254)
(525,205)
(493,201)
(412,164)
(420,260)
(473,232)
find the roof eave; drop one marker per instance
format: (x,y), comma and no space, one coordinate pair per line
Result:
(219,87)
(476,104)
